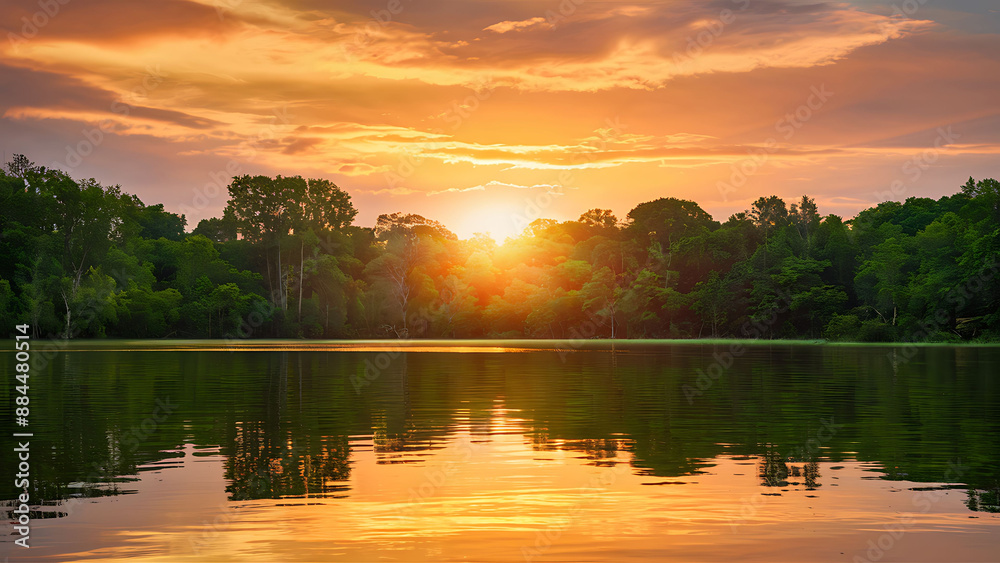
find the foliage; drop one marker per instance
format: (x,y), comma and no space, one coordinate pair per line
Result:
(285,260)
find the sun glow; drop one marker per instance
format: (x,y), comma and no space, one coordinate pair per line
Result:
(498,220)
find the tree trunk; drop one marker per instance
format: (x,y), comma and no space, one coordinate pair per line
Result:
(404,294)
(404,302)
(281,281)
(69,315)
(302,259)
(270,278)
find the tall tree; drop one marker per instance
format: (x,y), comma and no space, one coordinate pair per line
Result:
(264,210)
(602,294)
(322,208)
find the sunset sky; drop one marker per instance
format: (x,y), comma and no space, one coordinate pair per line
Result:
(487,114)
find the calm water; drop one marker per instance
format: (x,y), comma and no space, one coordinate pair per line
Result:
(497,452)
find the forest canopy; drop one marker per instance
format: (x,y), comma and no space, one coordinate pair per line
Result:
(284,260)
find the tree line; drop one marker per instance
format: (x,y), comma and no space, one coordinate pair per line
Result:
(284,260)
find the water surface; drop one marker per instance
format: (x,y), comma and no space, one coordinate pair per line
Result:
(512,451)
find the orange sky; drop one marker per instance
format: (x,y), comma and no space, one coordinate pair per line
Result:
(487,114)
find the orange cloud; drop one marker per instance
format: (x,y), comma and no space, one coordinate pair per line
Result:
(442,99)
(505,26)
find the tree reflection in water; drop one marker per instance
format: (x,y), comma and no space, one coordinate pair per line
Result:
(775,470)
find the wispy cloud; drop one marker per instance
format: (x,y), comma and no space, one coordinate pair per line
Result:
(494,184)
(505,26)
(372,99)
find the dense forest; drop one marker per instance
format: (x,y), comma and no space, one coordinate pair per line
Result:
(284,260)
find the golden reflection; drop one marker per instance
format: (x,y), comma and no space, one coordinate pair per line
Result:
(774,470)
(261,345)
(483,494)
(257,467)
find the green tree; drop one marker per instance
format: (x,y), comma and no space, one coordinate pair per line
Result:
(882,280)
(602,295)
(713,300)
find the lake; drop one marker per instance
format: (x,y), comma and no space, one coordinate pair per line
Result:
(509,451)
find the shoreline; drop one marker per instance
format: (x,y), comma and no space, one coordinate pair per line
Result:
(457,345)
